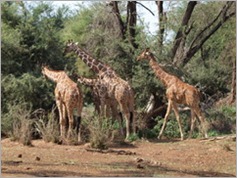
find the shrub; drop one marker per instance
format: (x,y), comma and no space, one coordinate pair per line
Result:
(48,127)
(17,124)
(100,131)
(172,127)
(222,120)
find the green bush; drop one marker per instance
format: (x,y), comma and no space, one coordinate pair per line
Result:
(172,127)
(33,91)
(222,120)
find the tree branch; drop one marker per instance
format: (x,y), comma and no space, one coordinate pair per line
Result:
(131,22)
(146,8)
(200,39)
(180,34)
(117,14)
(223,11)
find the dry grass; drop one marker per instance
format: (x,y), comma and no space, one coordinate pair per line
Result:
(22,131)
(48,127)
(100,131)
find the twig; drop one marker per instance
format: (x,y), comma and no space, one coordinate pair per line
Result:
(118,152)
(146,8)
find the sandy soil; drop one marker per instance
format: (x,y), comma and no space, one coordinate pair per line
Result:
(195,157)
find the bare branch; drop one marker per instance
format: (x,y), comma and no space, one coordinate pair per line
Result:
(146,8)
(222,17)
(223,11)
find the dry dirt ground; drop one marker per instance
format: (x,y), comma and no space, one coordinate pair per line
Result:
(195,157)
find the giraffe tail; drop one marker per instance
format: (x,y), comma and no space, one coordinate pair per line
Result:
(131,120)
(77,123)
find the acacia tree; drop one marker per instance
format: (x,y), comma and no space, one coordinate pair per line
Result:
(181,53)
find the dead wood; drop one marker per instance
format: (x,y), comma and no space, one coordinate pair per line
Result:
(118,152)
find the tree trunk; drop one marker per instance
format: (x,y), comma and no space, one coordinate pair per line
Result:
(155,107)
(132,22)
(117,14)
(179,42)
(162,21)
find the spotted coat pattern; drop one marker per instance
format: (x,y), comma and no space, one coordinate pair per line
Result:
(177,92)
(117,88)
(68,97)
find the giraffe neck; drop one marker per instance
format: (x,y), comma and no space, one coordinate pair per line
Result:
(96,65)
(87,81)
(159,72)
(55,76)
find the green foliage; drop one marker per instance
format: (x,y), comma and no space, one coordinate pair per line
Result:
(33,40)
(171,129)
(222,120)
(29,39)
(133,137)
(34,33)
(36,92)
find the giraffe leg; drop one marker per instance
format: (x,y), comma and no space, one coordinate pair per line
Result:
(165,119)
(112,106)
(128,124)
(126,115)
(64,113)
(78,122)
(193,119)
(118,116)
(176,112)
(70,121)
(132,118)
(62,118)
(108,109)
(102,107)
(198,112)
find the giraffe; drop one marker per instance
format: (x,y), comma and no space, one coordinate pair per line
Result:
(177,92)
(101,98)
(68,97)
(117,88)
(106,105)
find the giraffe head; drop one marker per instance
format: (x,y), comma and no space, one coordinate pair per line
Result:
(146,54)
(70,46)
(43,70)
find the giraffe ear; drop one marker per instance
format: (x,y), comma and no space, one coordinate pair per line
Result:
(147,51)
(76,43)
